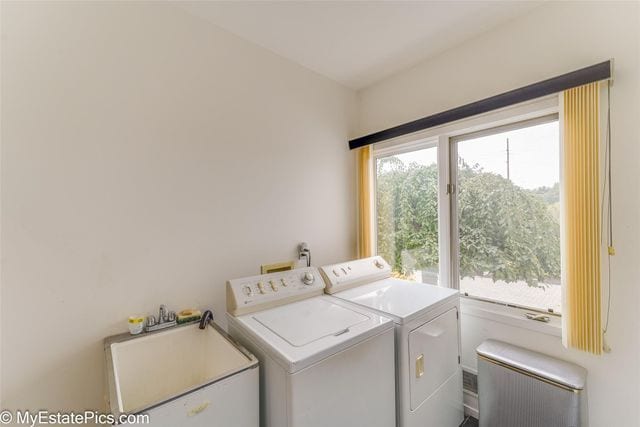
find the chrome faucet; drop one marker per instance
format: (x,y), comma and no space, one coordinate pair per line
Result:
(166,319)
(207,316)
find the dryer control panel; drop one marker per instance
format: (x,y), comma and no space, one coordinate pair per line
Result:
(256,293)
(350,274)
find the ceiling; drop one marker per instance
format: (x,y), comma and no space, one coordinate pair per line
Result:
(357,43)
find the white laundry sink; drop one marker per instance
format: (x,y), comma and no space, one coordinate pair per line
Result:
(160,368)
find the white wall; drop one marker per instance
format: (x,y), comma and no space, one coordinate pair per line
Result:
(146,158)
(555,38)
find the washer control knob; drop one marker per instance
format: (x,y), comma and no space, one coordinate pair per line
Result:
(308,278)
(247,290)
(261,287)
(378,264)
(273,285)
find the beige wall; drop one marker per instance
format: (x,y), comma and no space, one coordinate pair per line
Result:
(553,39)
(146,158)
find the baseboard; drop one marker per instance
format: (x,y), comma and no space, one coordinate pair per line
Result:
(470,404)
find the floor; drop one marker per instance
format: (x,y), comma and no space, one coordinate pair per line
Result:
(469,422)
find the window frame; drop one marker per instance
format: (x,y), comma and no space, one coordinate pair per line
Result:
(453,178)
(443,227)
(441,135)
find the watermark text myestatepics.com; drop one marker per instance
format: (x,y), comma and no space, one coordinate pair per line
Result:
(44,417)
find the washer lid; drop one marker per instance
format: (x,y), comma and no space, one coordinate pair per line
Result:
(305,323)
(400,299)
(300,334)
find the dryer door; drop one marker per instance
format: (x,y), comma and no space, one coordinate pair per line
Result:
(433,352)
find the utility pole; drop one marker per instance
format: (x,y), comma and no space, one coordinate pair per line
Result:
(508,174)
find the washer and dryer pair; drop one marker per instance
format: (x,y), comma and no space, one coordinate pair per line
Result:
(377,352)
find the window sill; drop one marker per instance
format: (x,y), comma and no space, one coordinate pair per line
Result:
(511,316)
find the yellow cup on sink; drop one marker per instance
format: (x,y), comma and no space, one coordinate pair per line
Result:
(136,324)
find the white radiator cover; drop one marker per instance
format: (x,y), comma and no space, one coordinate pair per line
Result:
(519,387)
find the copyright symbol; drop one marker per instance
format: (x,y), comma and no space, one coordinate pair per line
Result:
(6,417)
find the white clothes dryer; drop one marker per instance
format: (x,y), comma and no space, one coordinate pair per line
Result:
(427,332)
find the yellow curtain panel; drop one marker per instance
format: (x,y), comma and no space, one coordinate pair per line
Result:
(365,239)
(581,315)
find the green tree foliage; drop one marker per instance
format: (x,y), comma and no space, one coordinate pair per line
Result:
(407,213)
(506,232)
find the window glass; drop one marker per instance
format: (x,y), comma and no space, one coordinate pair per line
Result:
(508,206)
(407,213)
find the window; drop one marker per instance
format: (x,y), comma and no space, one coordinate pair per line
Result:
(505,214)
(407,212)
(494,233)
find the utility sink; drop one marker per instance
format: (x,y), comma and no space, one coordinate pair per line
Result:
(154,369)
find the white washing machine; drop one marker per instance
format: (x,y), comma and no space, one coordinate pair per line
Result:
(324,362)
(428,372)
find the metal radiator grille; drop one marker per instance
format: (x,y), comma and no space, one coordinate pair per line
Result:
(522,388)
(470,381)
(509,398)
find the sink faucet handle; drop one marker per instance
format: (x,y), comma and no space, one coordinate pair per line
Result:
(171,316)
(151,320)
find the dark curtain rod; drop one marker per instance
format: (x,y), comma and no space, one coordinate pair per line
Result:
(601,71)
